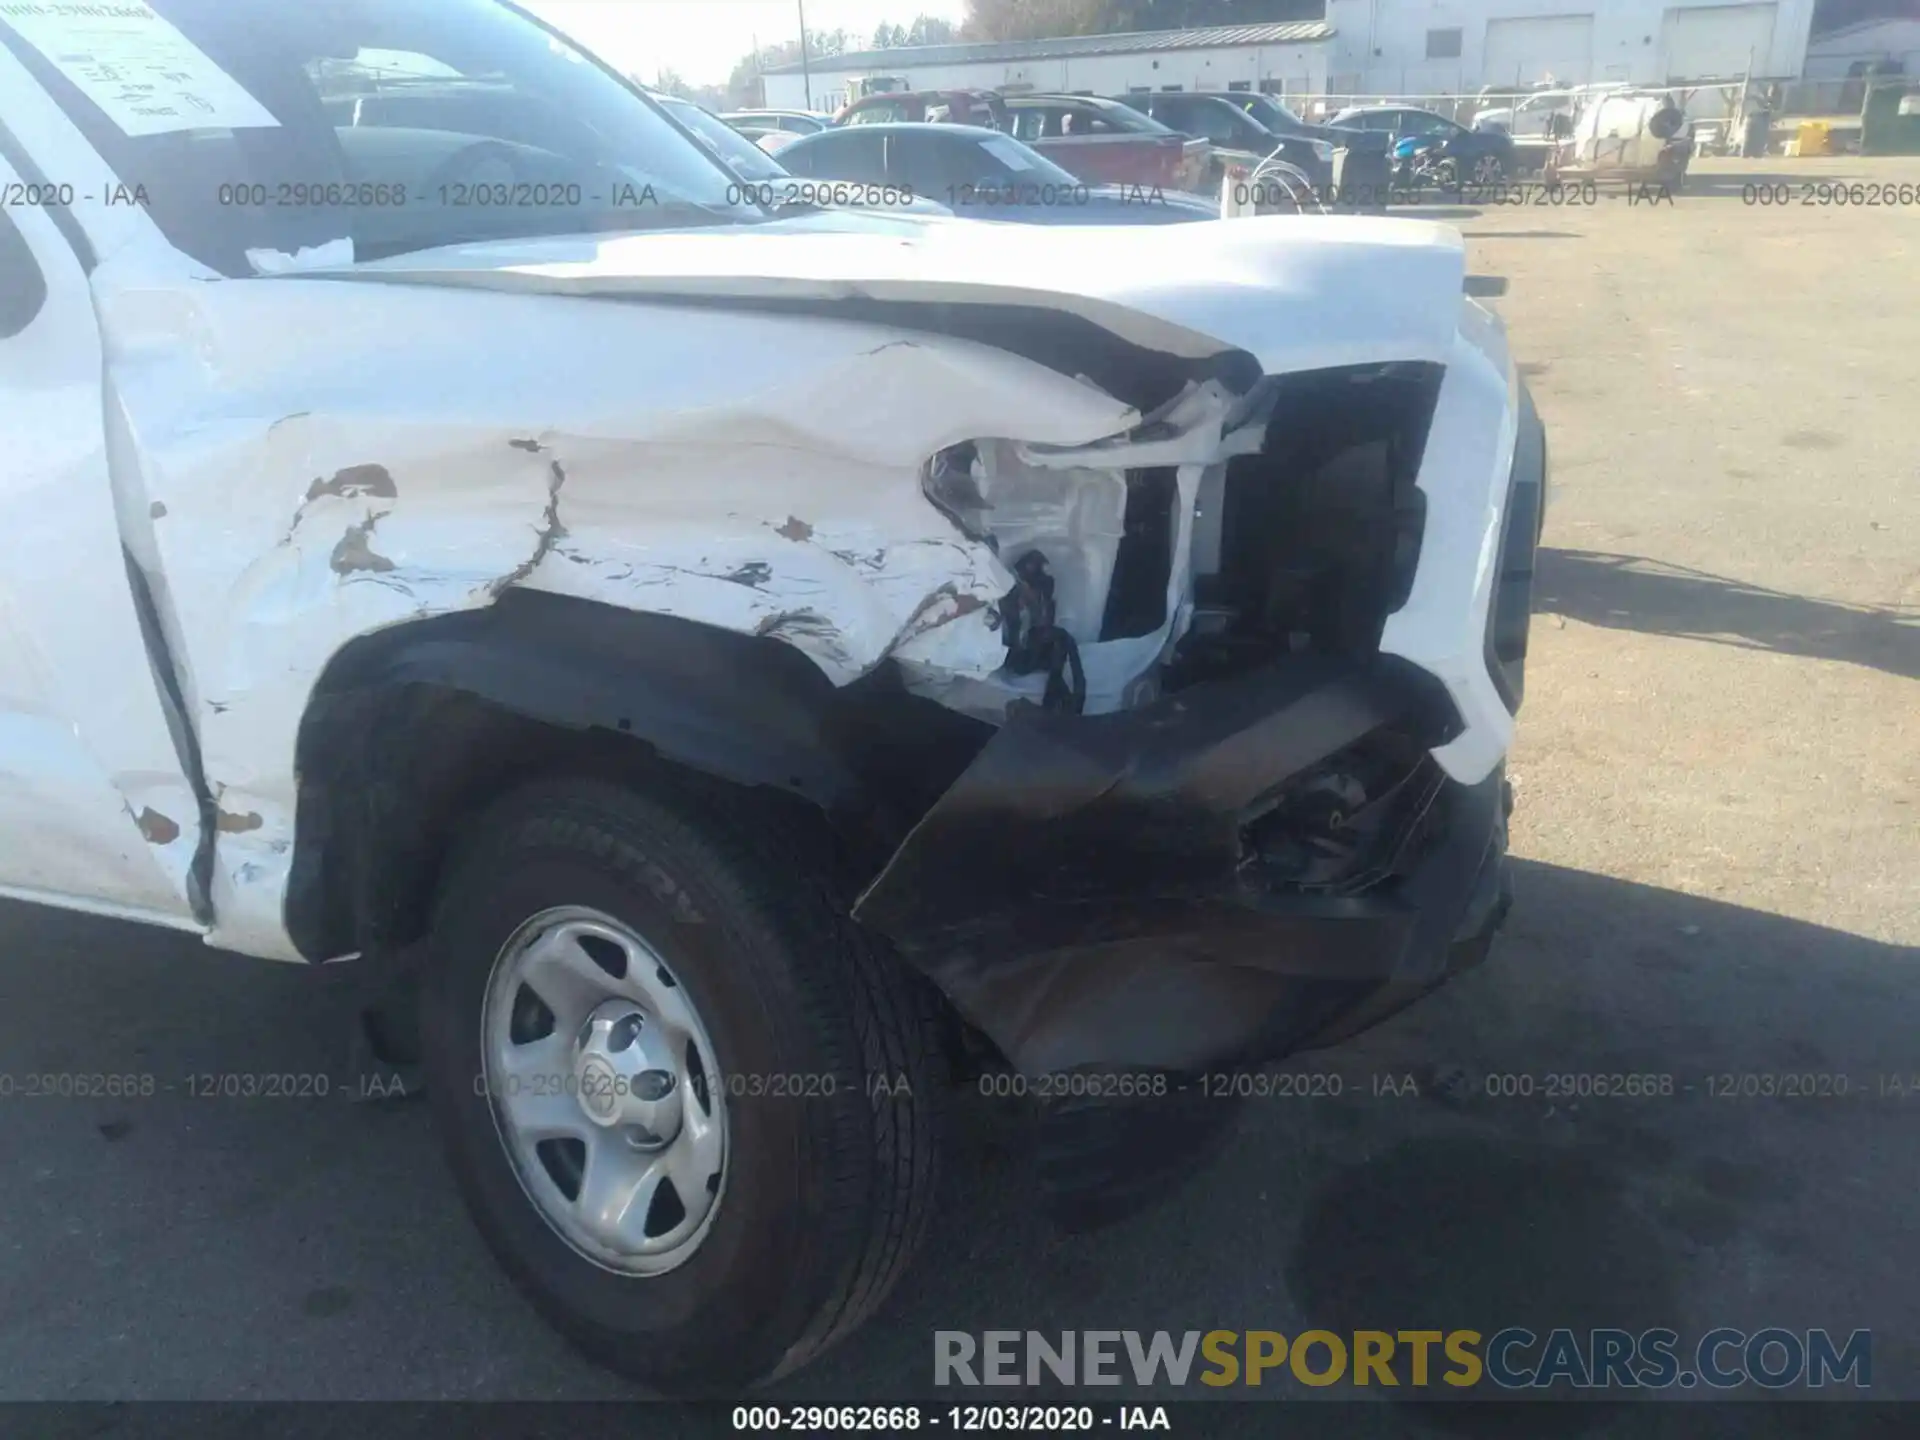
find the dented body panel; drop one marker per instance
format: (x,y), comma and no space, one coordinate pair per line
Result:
(767,482)
(96,810)
(847,436)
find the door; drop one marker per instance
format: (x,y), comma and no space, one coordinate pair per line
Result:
(96,812)
(1540,47)
(1718,41)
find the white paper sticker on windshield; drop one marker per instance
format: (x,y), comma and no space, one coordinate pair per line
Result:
(1008,152)
(148,77)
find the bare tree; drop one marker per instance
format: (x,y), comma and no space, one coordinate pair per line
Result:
(669,81)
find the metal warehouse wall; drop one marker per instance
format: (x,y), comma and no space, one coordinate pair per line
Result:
(1381,45)
(1302,68)
(1832,56)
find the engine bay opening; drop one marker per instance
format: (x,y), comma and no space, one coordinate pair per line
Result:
(1308,546)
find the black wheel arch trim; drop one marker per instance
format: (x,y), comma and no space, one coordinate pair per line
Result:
(752,711)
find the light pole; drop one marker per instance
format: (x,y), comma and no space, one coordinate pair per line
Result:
(806,75)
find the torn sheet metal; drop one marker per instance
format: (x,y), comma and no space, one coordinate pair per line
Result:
(291,496)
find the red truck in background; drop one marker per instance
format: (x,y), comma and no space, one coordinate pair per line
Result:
(1099,141)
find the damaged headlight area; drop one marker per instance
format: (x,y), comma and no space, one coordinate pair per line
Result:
(1224,533)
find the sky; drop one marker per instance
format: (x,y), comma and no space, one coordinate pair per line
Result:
(702,39)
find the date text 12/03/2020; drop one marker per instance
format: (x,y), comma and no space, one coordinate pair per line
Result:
(909,1418)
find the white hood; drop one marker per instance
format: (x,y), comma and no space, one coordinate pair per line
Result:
(1295,292)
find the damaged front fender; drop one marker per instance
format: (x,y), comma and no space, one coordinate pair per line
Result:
(758,474)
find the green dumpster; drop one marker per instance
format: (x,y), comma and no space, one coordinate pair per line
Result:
(1890,118)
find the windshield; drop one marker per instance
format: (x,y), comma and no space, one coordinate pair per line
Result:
(1006,158)
(736,151)
(396,124)
(1125,117)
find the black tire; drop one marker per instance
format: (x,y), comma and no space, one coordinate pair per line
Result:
(827,1196)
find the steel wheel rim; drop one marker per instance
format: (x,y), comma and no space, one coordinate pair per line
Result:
(1486,170)
(604,1090)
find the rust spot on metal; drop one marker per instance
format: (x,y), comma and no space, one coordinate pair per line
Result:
(232,824)
(795,529)
(356,480)
(355,553)
(532,447)
(157,828)
(157,511)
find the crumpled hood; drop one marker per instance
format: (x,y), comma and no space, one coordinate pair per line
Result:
(1296,292)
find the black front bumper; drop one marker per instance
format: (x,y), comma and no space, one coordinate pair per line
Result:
(1084,895)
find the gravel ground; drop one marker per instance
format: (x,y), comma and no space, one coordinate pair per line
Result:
(1718,842)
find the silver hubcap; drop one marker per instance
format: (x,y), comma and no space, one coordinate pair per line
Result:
(1486,171)
(605,1091)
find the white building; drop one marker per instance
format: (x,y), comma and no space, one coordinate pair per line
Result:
(1288,58)
(1401,47)
(1842,53)
(1440,47)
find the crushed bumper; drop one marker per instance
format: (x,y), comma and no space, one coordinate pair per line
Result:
(1086,896)
(1091,892)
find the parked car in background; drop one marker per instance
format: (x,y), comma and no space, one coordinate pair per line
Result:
(1234,134)
(1104,141)
(799,122)
(767,180)
(957,107)
(1456,154)
(1540,120)
(736,151)
(1276,116)
(767,137)
(773,141)
(981,174)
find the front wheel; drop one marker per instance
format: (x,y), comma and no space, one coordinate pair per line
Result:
(691,1106)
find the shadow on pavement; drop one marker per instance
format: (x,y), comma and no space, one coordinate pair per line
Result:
(1342,1214)
(1486,1218)
(1625,592)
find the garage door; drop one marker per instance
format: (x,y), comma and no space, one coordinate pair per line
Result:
(1715,41)
(1539,47)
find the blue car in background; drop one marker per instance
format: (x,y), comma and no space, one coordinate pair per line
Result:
(982,174)
(1430,146)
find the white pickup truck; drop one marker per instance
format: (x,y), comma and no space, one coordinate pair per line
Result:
(732,665)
